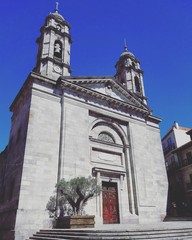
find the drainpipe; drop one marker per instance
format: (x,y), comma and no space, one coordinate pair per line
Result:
(61,151)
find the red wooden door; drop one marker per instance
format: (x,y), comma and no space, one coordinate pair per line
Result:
(110,203)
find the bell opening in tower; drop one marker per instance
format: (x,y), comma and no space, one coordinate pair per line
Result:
(58,49)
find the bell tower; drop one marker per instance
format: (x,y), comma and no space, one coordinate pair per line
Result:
(53,57)
(129,74)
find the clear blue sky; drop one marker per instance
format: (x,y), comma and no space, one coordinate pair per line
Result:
(159,33)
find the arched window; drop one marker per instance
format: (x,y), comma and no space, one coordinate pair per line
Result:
(58,49)
(107,137)
(137,85)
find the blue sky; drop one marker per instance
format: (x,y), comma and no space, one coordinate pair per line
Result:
(159,33)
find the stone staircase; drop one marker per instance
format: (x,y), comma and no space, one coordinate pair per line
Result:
(161,234)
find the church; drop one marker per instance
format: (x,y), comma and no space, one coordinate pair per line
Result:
(66,126)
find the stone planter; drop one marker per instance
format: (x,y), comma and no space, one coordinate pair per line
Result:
(78,221)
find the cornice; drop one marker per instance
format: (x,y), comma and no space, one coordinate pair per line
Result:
(122,58)
(62,22)
(46,28)
(42,78)
(154,119)
(55,61)
(25,85)
(107,143)
(130,68)
(108,80)
(108,171)
(28,83)
(63,34)
(63,83)
(74,86)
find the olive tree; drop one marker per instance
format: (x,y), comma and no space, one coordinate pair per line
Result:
(75,192)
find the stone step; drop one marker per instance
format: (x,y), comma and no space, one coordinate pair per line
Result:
(116,232)
(161,234)
(177,219)
(75,231)
(116,238)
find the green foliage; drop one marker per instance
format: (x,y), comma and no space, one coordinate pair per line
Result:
(51,206)
(75,192)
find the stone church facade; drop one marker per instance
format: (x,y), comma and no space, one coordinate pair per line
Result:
(65,126)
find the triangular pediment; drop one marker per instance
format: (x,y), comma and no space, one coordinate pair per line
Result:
(107,86)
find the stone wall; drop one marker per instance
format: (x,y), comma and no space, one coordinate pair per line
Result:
(40,167)
(13,163)
(150,172)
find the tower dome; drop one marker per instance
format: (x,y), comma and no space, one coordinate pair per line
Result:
(56,14)
(129,74)
(126,52)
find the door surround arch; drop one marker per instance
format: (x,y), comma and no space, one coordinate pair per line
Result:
(111,160)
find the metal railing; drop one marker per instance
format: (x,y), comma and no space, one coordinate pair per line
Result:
(185,162)
(178,165)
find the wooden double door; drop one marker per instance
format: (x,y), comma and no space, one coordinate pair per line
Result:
(110,203)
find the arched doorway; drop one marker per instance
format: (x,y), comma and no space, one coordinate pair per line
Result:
(109,153)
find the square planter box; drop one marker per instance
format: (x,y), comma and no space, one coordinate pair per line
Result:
(78,221)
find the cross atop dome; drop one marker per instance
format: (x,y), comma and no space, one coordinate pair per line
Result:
(125,45)
(56,7)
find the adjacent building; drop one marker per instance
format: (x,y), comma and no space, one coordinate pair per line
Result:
(177,147)
(66,126)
